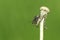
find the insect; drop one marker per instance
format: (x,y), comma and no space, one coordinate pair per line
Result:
(43,14)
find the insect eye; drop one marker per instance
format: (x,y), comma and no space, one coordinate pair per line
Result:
(45,10)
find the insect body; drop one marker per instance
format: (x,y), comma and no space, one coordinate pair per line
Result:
(37,19)
(43,14)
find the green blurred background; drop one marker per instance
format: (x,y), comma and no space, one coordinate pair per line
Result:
(16,19)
